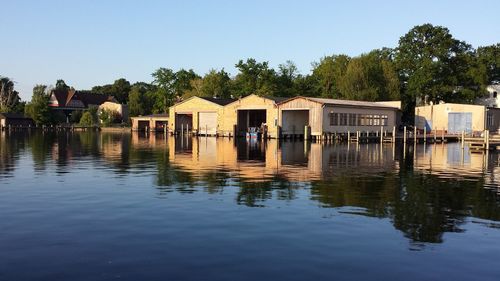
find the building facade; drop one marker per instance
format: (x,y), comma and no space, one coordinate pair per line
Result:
(325,116)
(457,118)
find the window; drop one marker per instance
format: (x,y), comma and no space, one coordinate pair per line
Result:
(370,120)
(384,120)
(343,119)
(334,119)
(376,120)
(362,120)
(490,120)
(495,95)
(352,119)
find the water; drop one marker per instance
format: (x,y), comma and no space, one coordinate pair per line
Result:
(89,206)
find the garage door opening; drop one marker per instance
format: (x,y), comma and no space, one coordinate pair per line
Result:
(183,121)
(142,125)
(207,123)
(251,120)
(294,122)
(161,125)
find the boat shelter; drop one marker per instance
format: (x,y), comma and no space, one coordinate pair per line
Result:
(15,120)
(325,116)
(153,122)
(250,114)
(199,115)
(456,118)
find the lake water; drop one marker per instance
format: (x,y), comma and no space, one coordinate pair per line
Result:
(111,206)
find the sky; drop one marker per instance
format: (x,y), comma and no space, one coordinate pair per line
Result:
(94,42)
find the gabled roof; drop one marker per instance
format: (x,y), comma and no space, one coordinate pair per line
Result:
(64,97)
(352,103)
(218,101)
(274,99)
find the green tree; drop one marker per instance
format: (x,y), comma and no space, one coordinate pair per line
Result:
(38,109)
(434,66)
(87,119)
(488,64)
(254,78)
(120,90)
(9,98)
(164,80)
(183,81)
(141,99)
(61,85)
(370,77)
(286,77)
(329,72)
(216,84)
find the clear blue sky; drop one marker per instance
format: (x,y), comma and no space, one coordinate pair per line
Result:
(91,42)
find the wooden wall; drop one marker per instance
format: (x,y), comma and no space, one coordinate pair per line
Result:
(194,106)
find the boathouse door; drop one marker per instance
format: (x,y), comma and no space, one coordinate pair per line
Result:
(459,122)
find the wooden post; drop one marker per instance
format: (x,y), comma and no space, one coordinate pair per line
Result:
(381,134)
(306,133)
(434,133)
(357,136)
(187,129)
(182,129)
(348,136)
(442,136)
(415,134)
(463,139)
(394,134)
(487,139)
(425,134)
(404,134)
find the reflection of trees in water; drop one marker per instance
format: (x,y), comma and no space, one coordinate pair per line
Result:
(9,150)
(422,206)
(254,194)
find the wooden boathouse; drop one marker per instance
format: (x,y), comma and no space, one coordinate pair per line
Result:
(198,115)
(251,112)
(317,117)
(153,122)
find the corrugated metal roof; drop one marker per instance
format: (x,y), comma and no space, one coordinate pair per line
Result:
(218,101)
(350,102)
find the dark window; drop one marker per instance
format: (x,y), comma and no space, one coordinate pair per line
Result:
(334,119)
(343,119)
(495,94)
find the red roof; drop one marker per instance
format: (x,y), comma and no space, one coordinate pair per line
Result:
(79,99)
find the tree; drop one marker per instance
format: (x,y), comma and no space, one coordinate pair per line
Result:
(287,74)
(254,78)
(182,81)
(120,90)
(329,72)
(38,109)
(141,99)
(434,66)
(61,85)
(87,119)
(488,64)
(164,79)
(9,98)
(369,77)
(216,84)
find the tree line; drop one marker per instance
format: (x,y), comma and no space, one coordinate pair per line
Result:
(428,65)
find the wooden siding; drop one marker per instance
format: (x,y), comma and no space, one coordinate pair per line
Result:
(194,106)
(327,110)
(230,115)
(315,112)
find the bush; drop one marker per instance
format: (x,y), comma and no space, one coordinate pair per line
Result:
(87,119)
